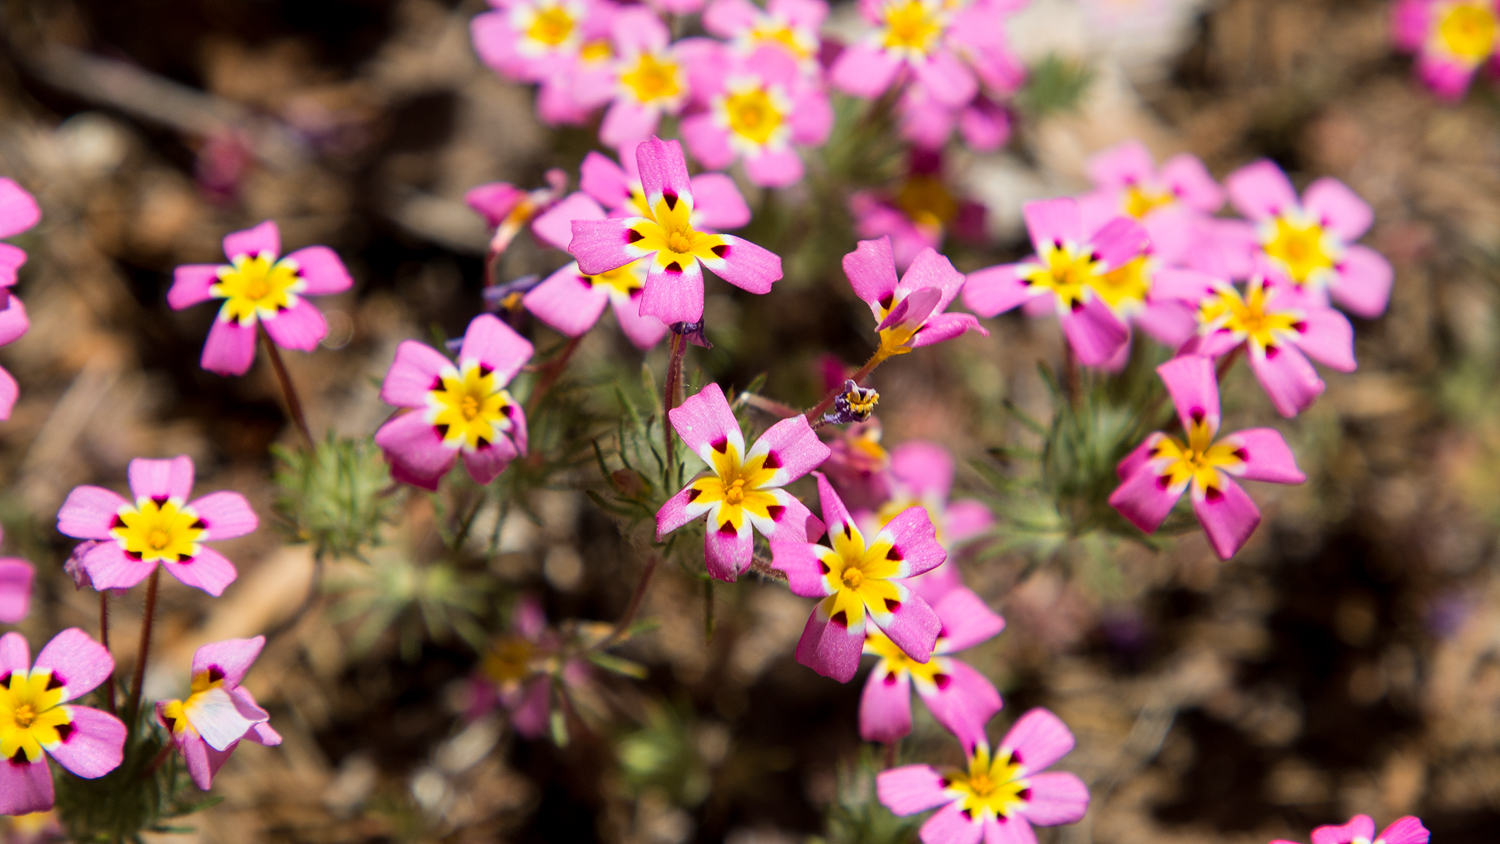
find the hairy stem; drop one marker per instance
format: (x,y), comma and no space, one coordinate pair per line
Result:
(551,371)
(671,397)
(289,392)
(109,685)
(145,649)
(634,607)
(817,410)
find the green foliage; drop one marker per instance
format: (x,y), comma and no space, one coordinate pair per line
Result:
(1054,85)
(857,815)
(664,755)
(434,601)
(335,496)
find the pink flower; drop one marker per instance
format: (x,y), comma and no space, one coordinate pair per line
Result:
(919,213)
(258,288)
(15,588)
(1069,271)
(758,106)
(647,78)
(1279,326)
(908,313)
(456,408)
(1361,830)
(744,489)
(1157,473)
(1310,243)
(160,526)
(503,205)
(674,280)
(1170,203)
(717,202)
(922,476)
(928,122)
(518,671)
(35,716)
(948,50)
(1451,39)
(218,714)
(857,465)
(787,25)
(18,212)
(960,698)
(570,301)
(858,583)
(1000,797)
(551,42)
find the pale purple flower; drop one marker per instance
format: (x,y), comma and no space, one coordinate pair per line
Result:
(218,713)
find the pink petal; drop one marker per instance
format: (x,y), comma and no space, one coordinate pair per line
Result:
(1194,388)
(161,478)
(914,538)
(910,789)
(639,30)
(830,647)
(15,654)
(966,519)
(1260,191)
(402,474)
(495,43)
(322,270)
(729,552)
(1053,221)
(603,245)
(1407,830)
(209,571)
(1266,457)
(947,80)
(202,761)
(89,513)
(496,345)
(745,265)
(812,118)
(263,240)
(1288,378)
(1363,285)
(950,825)
(15,589)
(299,327)
(933,270)
(994,290)
(487,462)
(835,514)
(1094,332)
(1037,740)
(985,126)
(1338,208)
(792,446)
(1145,499)
(1122,166)
(1056,798)
(412,374)
(802,564)
(232,658)
(230,348)
(962,700)
(803,14)
(1190,181)
(554,227)
(109,568)
(518,432)
(663,172)
(727,18)
(1328,338)
(1012,830)
(1138,457)
(717,203)
(530,619)
(885,705)
(1189,286)
(532,713)
(1120,241)
(94,747)
(1447,78)
(924,468)
(967,620)
(644,332)
(705,419)
(1359,826)
(218,717)
(603,179)
(76,661)
(864,71)
(495,200)
(911,624)
(1409,23)
(25,787)
(774,168)
(567,301)
(676,513)
(12,258)
(18,209)
(225,515)
(1228,517)
(190,285)
(708,142)
(674,297)
(871,269)
(1168,321)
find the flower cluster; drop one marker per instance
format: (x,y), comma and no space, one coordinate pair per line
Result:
(1451,40)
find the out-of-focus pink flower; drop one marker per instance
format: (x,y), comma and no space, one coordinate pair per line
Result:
(519,670)
(960,698)
(787,25)
(259,288)
(16,576)
(860,585)
(922,476)
(984,124)
(743,493)
(33,828)
(551,42)
(456,409)
(1162,468)
(1361,830)
(1169,202)
(18,212)
(1069,272)
(647,79)
(919,213)
(159,526)
(1451,40)
(1280,327)
(222,164)
(857,466)
(999,797)
(908,313)
(39,717)
(1310,242)
(758,106)
(218,714)
(677,252)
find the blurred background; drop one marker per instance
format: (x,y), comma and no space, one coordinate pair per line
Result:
(1348,660)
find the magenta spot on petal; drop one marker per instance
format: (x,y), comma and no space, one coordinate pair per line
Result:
(1272,351)
(673,267)
(116,522)
(1300,327)
(64,731)
(159,499)
(1213,494)
(671,199)
(890,679)
(485,369)
(631,236)
(215,674)
(727,529)
(1198,414)
(5,678)
(721,445)
(481,444)
(892,605)
(1025,795)
(1242,454)
(19,758)
(722,250)
(200,525)
(840,619)
(442,430)
(894,554)
(821,565)
(437,383)
(772,461)
(693,493)
(1163,481)
(887,300)
(586,281)
(55,682)
(1076,306)
(943,681)
(775,511)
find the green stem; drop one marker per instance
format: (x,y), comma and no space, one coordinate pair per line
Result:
(289,392)
(550,373)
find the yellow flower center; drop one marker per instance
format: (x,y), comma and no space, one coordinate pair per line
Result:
(1300,249)
(1247,315)
(897,661)
(735,492)
(253,286)
(736,486)
(652,79)
(551,27)
(926,201)
(1128,285)
(668,231)
(782,36)
(1468,31)
(30,715)
(595,51)
(859,575)
(679,240)
(509,660)
(1141,201)
(626,279)
(178,712)
(1199,460)
(853,577)
(158,529)
(995,787)
(911,26)
(752,115)
(469,408)
(1067,272)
